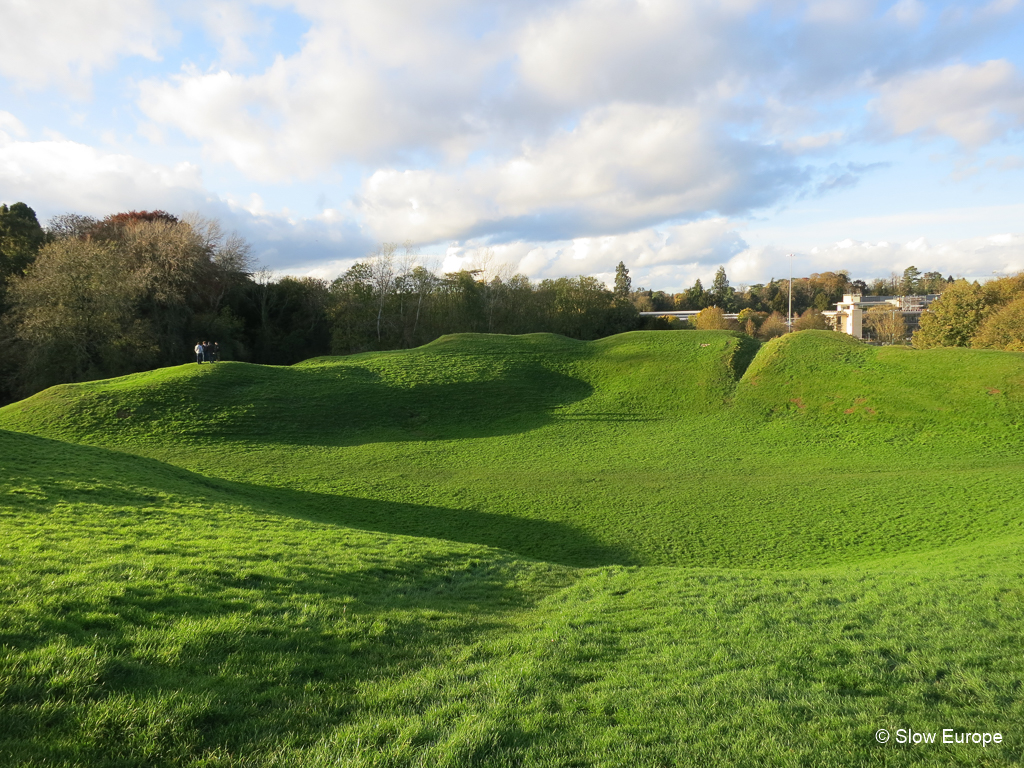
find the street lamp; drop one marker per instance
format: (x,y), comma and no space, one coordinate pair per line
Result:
(789,321)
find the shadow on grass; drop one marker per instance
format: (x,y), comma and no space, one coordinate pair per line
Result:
(336,406)
(224,659)
(546,540)
(114,478)
(368,410)
(139,633)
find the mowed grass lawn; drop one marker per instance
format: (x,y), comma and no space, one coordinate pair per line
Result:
(653,549)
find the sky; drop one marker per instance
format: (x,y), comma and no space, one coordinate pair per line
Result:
(552,138)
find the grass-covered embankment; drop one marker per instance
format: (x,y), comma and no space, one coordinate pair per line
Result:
(498,550)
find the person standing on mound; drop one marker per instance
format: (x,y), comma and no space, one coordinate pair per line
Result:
(199,352)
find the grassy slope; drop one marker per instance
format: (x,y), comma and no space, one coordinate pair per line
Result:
(419,556)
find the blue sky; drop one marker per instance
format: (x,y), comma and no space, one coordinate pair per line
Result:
(553,138)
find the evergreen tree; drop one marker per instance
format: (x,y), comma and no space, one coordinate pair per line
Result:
(20,239)
(623,283)
(721,293)
(911,281)
(932,282)
(696,296)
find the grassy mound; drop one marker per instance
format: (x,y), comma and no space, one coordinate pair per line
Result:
(637,449)
(832,380)
(468,385)
(652,549)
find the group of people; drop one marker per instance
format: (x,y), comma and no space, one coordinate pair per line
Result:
(207,351)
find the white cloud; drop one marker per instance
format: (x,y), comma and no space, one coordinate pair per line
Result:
(371,82)
(415,84)
(671,258)
(64,175)
(324,270)
(814,141)
(59,176)
(972,104)
(1006,163)
(548,119)
(974,257)
(657,257)
(229,22)
(595,50)
(621,166)
(9,124)
(576,132)
(44,42)
(999,7)
(838,11)
(908,12)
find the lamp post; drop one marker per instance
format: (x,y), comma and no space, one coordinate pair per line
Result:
(789,319)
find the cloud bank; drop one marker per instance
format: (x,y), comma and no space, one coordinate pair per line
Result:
(566,134)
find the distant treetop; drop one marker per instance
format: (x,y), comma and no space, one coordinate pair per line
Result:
(134,216)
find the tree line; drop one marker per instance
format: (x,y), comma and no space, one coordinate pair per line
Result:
(764,308)
(85,298)
(819,291)
(966,314)
(971,314)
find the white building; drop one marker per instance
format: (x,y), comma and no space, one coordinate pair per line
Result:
(848,315)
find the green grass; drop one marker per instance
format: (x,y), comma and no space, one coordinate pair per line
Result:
(653,549)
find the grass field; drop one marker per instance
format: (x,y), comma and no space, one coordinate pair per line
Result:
(652,549)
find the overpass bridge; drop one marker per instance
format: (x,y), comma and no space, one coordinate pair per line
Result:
(684,314)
